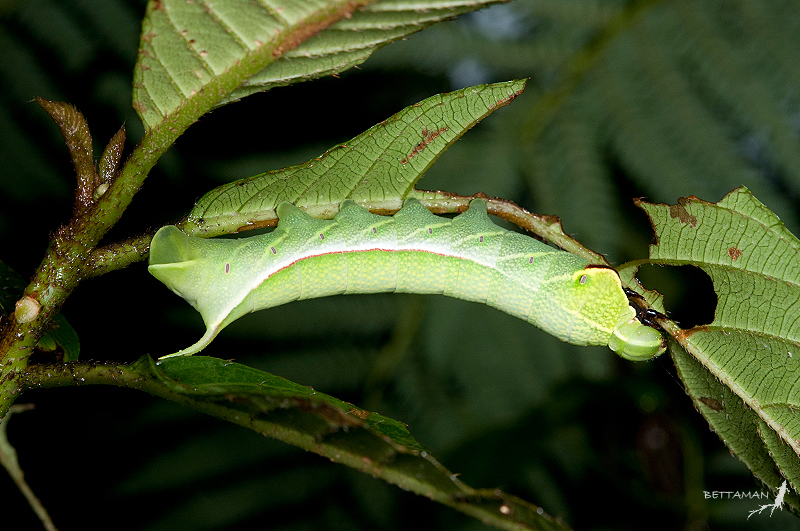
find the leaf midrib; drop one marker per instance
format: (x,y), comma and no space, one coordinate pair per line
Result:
(256,60)
(749,399)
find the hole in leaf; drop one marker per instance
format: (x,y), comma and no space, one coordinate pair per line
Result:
(688,292)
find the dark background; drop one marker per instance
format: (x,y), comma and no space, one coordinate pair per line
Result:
(626,99)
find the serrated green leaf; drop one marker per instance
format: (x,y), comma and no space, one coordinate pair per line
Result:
(219,52)
(299,415)
(216,380)
(737,425)
(380,165)
(744,370)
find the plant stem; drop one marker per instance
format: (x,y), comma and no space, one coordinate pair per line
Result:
(68,257)
(8,459)
(12,364)
(65,262)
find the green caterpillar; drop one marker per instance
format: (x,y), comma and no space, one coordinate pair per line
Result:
(414,251)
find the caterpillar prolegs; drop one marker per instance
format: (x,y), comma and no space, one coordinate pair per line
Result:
(467,257)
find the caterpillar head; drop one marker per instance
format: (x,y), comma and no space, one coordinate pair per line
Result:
(602,313)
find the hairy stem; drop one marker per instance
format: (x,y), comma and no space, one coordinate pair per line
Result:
(69,256)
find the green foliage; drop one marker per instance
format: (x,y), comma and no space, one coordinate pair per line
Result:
(233,49)
(303,417)
(379,167)
(655,99)
(741,370)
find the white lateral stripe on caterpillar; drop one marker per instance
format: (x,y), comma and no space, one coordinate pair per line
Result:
(414,251)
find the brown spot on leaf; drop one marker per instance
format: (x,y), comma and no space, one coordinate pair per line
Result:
(734,253)
(679,211)
(428,136)
(685,334)
(505,101)
(711,403)
(333,416)
(360,413)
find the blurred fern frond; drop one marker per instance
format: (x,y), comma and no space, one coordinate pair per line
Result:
(687,98)
(661,99)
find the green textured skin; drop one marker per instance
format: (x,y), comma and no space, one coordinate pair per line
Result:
(414,251)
